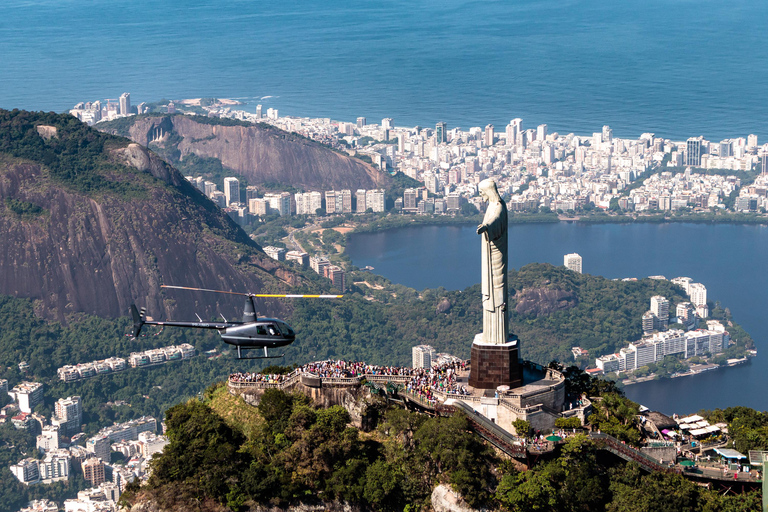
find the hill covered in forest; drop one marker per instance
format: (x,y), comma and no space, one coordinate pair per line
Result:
(225,455)
(261,154)
(92,222)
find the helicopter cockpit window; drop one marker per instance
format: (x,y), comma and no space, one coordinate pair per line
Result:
(286,329)
(273,330)
(261,330)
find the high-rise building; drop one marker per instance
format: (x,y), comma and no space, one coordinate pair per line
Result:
(488,135)
(330,202)
(308,203)
(251,192)
(649,322)
(698,294)
(258,206)
(607,134)
(279,202)
(337,277)
(387,123)
(441,135)
(93,470)
(69,410)
(375,200)
(48,439)
(360,200)
(541,132)
(693,151)
(100,446)
(232,190)
(361,121)
(346,201)
(28,395)
(258,111)
(572,262)
(125,104)
(26,471)
(660,308)
(423,355)
(410,199)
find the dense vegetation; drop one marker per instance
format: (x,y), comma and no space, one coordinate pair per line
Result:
(222,452)
(75,157)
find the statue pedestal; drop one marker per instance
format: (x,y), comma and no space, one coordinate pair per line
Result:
(493,365)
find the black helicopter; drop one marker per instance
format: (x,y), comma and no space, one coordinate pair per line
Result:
(250,334)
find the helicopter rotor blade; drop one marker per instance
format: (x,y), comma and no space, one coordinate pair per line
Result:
(266,295)
(290,296)
(202,290)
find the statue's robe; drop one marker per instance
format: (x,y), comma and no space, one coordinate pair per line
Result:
(494,273)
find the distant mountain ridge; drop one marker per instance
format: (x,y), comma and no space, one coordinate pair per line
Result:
(92,222)
(261,153)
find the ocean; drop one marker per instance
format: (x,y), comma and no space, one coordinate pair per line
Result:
(676,68)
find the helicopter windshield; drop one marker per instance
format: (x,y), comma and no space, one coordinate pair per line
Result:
(286,329)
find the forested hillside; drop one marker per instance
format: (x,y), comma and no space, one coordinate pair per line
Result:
(225,454)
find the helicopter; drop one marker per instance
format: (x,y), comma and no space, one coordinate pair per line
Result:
(252,333)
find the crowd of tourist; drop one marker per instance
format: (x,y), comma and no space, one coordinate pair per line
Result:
(423,382)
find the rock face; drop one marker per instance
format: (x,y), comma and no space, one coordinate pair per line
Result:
(260,153)
(98,252)
(543,301)
(445,500)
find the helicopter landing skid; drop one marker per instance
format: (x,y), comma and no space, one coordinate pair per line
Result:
(265,356)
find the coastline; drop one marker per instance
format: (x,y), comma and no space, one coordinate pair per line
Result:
(395,221)
(703,369)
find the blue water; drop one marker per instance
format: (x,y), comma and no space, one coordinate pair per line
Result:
(674,67)
(728,259)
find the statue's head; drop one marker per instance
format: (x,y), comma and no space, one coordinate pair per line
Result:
(488,190)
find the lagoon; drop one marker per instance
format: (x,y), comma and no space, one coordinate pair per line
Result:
(728,259)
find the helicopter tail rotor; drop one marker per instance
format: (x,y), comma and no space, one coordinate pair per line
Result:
(138,319)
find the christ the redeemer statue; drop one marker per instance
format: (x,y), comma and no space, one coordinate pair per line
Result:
(495,358)
(494,265)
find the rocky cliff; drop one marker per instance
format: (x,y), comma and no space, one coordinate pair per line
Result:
(260,153)
(91,223)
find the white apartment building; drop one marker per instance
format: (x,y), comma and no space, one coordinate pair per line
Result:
(698,294)
(307,203)
(423,355)
(28,395)
(69,411)
(279,202)
(572,262)
(232,190)
(375,200)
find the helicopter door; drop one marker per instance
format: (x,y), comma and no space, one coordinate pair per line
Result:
(261,330)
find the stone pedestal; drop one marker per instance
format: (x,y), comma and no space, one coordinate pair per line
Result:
(493,365)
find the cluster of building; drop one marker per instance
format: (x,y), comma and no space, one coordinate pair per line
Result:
(92,112)
(319,264)
(754,197)
(653,348)
(336,274)
(245,209)
(136,440)
(534,167)
(659,341)
(538,168)
(71,373)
